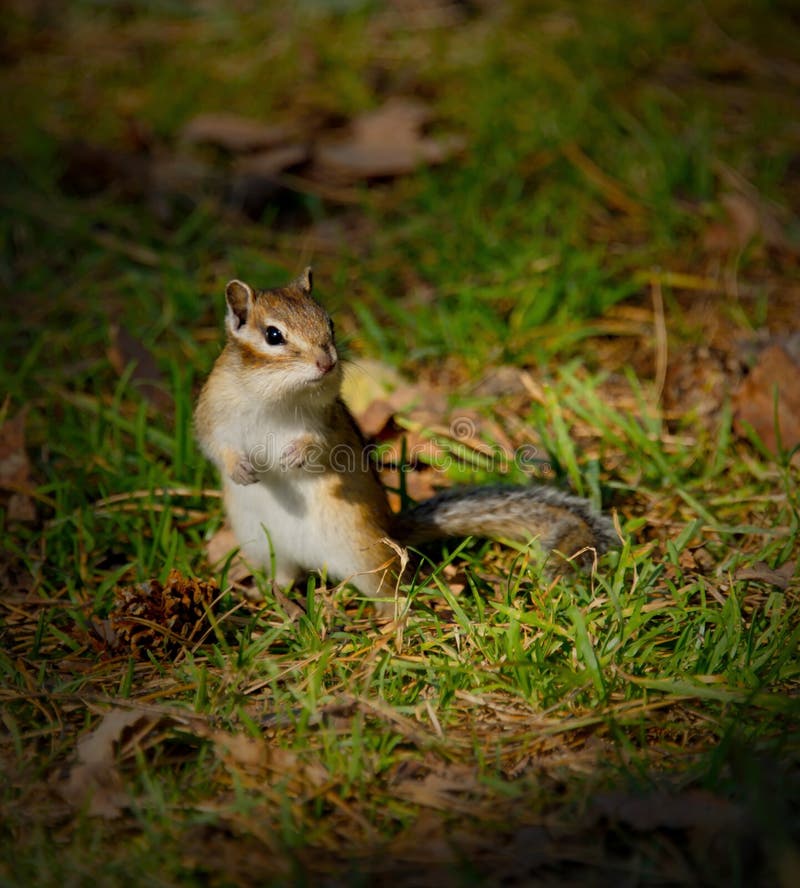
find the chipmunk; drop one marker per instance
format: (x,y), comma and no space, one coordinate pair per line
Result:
(298,491)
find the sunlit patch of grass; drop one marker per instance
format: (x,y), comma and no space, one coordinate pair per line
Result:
(505,704)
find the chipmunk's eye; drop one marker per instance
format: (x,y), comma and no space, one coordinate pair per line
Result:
(274,336)
(332,328)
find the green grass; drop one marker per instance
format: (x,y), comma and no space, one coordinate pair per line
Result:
(509,727)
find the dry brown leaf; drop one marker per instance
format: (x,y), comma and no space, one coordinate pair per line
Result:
(502,380)
(456,578)
(385,142)
(283,762)
(15,470)
(240,749)
(254,754)
(449,787)
(290,608)
(418,449)
(698,380)
(422,403)
(761,572)
(265,164)
(104,630)
(233,132)
(219,548)
(424,483)
(376,417)
(94,781)
(770,391)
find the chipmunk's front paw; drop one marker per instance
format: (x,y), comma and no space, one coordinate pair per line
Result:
(300,453)
(244,472)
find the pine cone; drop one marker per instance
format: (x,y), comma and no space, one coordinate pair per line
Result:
(162,618)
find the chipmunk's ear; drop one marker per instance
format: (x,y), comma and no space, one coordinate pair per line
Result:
(303,282)
(239,297)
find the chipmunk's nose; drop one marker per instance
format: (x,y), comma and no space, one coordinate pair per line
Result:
(326,359)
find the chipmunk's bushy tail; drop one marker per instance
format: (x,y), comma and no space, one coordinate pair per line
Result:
(559,521)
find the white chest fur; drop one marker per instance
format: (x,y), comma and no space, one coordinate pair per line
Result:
(263,435)
(283,521)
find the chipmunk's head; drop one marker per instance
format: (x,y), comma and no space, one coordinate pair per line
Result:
(285,340)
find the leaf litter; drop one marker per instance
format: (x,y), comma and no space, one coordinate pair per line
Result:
(768,400)
(384,143)
(525,837)
(259,164)
(94,780)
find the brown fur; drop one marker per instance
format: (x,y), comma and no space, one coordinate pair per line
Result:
(297,382)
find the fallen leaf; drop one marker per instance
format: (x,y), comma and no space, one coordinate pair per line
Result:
(105,632)
(233,132)
(456,578)
(448,787)
(94,781)
(423,483)
(385,142)
(15,469)
(415,449)
(219,548)
(423,402)
(770,392)
(376,417)
(698,381)
(761,572)
(290,608)
(284,762)
(275,160)
(697,559)
(745,220)
(502,380)
(240,749)
(259,182)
